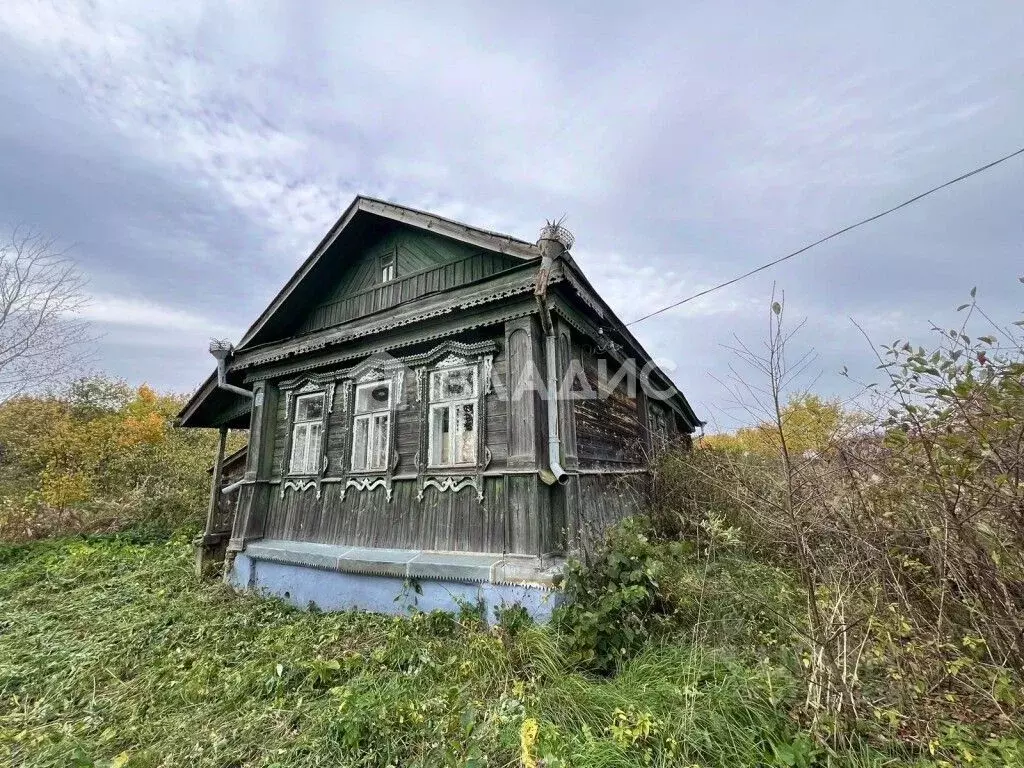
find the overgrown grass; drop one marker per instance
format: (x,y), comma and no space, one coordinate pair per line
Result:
(112,654)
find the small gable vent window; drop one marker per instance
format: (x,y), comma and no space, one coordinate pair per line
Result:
(387,268)
(370,428)
(453,417)
(306,432)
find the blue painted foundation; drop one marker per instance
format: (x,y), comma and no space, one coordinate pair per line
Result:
(334,588)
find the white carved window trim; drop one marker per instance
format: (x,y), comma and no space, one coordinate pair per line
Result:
(311,447)
(378,427)
(439,403)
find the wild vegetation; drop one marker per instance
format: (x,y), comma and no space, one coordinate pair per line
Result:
(834,586)
(99,456)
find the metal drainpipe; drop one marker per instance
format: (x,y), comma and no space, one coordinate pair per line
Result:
(222,350)
(233,487)
(551,248)
(554,439)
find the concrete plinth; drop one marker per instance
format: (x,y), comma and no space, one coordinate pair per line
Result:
(334,578)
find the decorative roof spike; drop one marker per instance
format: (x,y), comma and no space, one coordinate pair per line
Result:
(221,348)
(553,230)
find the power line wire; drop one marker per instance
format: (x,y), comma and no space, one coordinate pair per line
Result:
(844,230)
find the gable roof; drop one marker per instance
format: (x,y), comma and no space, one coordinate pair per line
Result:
(233,409)
(362,205)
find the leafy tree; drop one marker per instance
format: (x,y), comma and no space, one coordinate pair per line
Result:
(810,424)
(98,456)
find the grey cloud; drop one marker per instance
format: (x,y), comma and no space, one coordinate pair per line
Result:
(195,155)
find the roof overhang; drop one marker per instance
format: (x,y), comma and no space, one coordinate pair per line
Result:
(577,282)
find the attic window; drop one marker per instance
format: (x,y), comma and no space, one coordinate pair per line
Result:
(387,268)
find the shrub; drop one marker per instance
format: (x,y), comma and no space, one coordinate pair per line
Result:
(640,587)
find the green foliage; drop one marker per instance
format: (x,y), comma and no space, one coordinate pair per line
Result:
(100,456)
(638,587)
(111,653)
(809,423)
(904,530)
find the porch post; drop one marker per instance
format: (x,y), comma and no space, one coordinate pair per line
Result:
(209,550)
(218,468)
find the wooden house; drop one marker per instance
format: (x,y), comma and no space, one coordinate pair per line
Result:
(435,412)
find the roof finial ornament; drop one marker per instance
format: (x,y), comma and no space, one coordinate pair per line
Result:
(554,230)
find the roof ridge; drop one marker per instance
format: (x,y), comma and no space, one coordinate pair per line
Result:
(456,222)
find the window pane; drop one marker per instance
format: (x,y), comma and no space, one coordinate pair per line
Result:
(309,408)
(299,442)
(313,449)
(360,439)
(373,397)
(440,436)
(454,384)
(465,434)
(379,442)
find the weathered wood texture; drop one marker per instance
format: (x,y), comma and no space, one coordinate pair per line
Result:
(443,520)
(227,504)
(408,424)
(425,263)
(527,414)
(598,501)
(608,426)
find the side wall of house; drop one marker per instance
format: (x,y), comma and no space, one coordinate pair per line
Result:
(609,416)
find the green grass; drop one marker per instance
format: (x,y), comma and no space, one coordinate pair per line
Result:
(113,654)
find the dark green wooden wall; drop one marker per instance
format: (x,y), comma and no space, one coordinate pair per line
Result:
(426,263)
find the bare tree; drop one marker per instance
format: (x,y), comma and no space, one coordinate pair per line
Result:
(43,337)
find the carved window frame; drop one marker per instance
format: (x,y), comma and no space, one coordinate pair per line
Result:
(369,417)
(454,477)
(437,402)
(316,444)
(293,395)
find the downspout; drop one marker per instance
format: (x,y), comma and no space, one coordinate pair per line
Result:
(222,350)
(233,487)
(554,241)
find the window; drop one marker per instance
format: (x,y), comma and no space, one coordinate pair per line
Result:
(453,417)
(660,427)
(387,268)
(370,433)
(306,430)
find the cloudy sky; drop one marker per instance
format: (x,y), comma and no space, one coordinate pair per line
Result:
(193,155)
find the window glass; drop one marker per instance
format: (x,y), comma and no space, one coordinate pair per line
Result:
(387,268)
(453,384)
(310,408)
(453,423)
(440,436)
(370,429)
(306,432)
(373,397)
(360,440)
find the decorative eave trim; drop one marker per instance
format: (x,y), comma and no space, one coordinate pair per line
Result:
(343,335)
(586,296)
(342,357)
